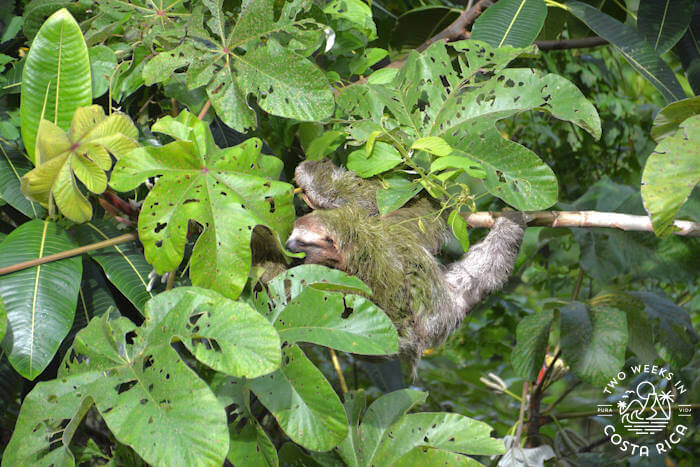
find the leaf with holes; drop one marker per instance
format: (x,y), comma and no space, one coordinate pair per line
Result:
(83,153)
(257,55)
(148,397)
(39,301)
(351,323)
(227,191)
(670,174)
(303,402)
(429,98)
(510,22)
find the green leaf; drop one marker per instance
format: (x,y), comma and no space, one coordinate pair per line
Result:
(632,46)
(670,174)
(384,157)
(470,166)
(670,117)
(459,228)
(593,341)
(324,145)
(259,55)
(228,336)
(83,153)
(351,323)
(399,190)
(103,62)
(356,12)
(510,22)
(3,319)
(532,336)
(674,331)
(426,456)
(303,402)
(13,165)
(227,191)
(39,301)
(56,78)
(445,431)
(663,23)
(148,397)
(433,145)
(123,264)
(251,446)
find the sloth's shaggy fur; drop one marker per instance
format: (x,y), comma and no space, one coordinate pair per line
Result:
(395,256)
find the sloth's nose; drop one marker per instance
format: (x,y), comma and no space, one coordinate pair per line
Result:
(292,245)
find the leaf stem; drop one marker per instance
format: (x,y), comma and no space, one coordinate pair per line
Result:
(69,253)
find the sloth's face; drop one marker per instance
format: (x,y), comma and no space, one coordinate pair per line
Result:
(311,236)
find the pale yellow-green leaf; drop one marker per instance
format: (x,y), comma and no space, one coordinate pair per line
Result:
(89,173)
(37,183)
(51,142)
(84,120)
(69,200)
(433,145)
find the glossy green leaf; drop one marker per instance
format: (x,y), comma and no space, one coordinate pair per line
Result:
(13,165)
(459,228)
(426,456)
(663,23)
(384,157)
(632,46)
(470,166)
(251,446)
(445,431)
(249,58)
(593,341)
(349,323)
(510,22)
(670,174)
(56,77)
(39,301)
(303,402)
(83,153)
(227,191)
(103,62)
(532,336)
(324,145)
(670,117)
(123,264)
(399,190)
(228,336)
(148,397)
(3,317)
(433,145)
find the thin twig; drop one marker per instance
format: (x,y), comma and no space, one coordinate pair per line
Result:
(521,418)
(70,253)
(205,109)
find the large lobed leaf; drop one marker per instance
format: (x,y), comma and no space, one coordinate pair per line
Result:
(39,301)
(82,153)
(227,191)
(532,336)
(149,398)
(258,56)
(429,98)
(670,174)
(56,77)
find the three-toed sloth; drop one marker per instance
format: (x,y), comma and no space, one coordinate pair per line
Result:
(394,254)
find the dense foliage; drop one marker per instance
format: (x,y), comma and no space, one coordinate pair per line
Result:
(159,139)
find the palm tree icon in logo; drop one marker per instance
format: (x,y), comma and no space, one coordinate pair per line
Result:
(645,411)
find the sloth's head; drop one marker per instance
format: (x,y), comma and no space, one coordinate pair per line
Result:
(312,236)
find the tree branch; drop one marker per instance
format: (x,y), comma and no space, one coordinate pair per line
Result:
(458,27)
(580,43)
(70,253)
(613,220)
